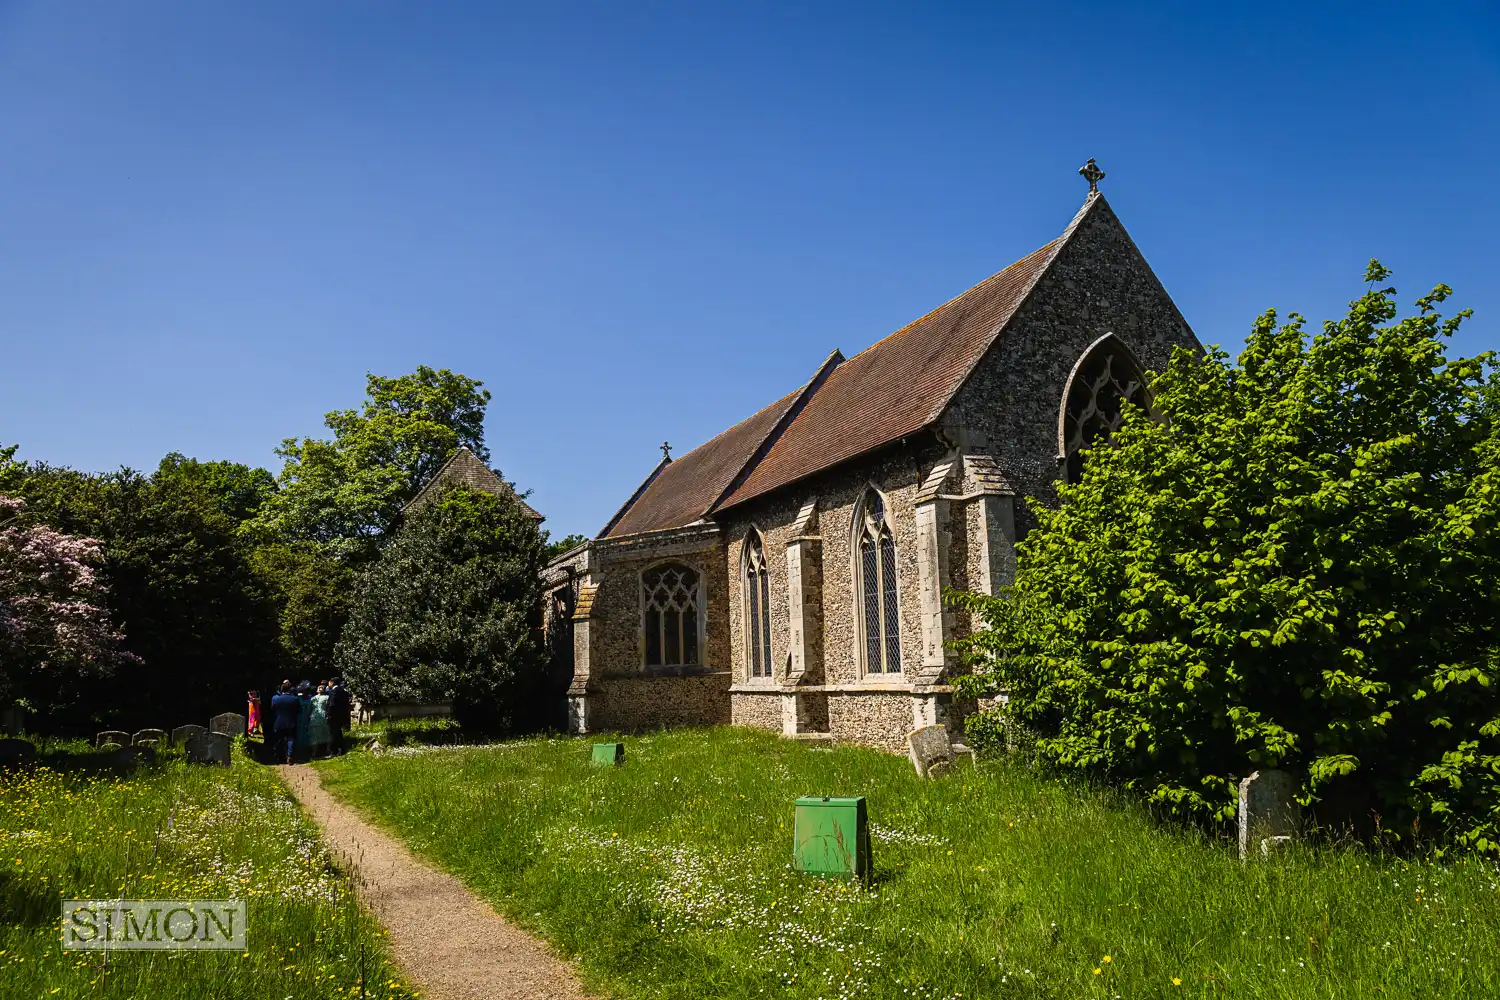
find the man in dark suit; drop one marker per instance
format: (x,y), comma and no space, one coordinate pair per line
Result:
(285,709)
(340,705)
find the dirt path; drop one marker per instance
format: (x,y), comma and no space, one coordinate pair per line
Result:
(448,942)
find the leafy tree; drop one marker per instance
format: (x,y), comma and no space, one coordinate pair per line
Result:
(195,617)
(1293,566)
(238,489)
(557,548)
(311,591)
(449,612)
(347,493)
(55,631)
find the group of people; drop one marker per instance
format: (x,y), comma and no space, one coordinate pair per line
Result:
(308,721)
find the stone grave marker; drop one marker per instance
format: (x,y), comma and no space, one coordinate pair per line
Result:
(154,735)
(14,752)
(231,724)
(114,736)
(1268,812)
(930,750)
(109,748)
(184,733)
(208,748)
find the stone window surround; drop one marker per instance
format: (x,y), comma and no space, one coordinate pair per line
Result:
(866,678)
(755,542)
(700,609)
(1110,343)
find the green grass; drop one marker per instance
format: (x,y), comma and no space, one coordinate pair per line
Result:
(671,877)
(437,729)
(174,831)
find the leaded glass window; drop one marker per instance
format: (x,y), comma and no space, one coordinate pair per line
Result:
(669,603)
(1104,379)
(879,613)
(757,607)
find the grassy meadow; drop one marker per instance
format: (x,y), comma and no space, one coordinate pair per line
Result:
(671,877)
(175,831)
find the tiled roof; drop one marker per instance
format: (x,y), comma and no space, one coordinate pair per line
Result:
(465,469)
(681,490)
(888,391)
(896,387)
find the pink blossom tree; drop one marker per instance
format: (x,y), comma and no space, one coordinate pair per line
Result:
(52,617)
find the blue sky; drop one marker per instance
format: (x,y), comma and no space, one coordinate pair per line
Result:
(640,221)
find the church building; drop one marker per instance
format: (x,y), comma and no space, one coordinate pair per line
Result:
(789,573)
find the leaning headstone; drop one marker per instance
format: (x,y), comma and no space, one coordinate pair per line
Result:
(114,736)
(231,724)
(184,733)
(208,748)
(1268,812)
(13,752)
(154,735)
(931,750)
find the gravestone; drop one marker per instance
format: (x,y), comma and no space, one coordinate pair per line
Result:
(184,733)
(14,752)
(1268,812)
(931,750)
(154,735)
(231,724)
(208,748)
(112,736)
(109,748)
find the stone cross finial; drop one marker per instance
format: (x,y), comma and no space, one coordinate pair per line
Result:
(666,451)
(1092,174)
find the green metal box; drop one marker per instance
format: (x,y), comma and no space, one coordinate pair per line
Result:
(832,837)
(608,754)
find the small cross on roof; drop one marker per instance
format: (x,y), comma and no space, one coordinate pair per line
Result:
(1092,174)
(666,450)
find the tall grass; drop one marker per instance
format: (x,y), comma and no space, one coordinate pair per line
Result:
(670,877)
(175,831)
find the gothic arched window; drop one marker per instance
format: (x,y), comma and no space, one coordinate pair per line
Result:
(669,615)
(757,591)
(875,573)
(1106,376)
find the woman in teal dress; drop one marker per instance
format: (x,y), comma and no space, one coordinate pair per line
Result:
(319,733)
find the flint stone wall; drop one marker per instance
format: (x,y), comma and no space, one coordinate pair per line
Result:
(760,711)
(635,703)
(873,719)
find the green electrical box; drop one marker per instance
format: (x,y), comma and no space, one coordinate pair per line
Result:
(832,837)
(608,754)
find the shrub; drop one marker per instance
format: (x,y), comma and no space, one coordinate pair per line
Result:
(1291,566)
(449,612)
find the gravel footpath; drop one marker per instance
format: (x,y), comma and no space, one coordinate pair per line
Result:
(450,944)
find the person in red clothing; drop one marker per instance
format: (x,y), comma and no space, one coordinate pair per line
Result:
(252,715)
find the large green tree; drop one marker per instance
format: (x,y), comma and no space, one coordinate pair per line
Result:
(449,612)
(346,493)
(1293,565)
